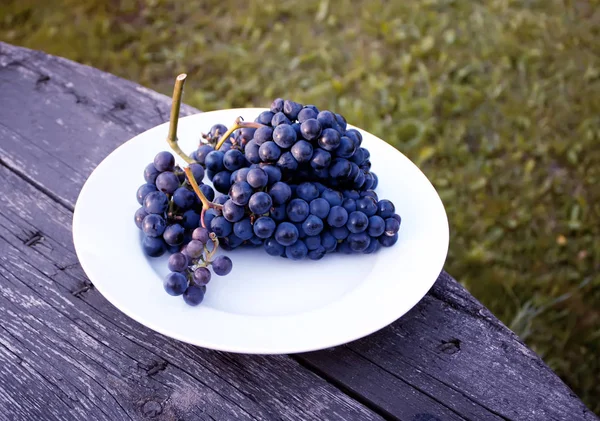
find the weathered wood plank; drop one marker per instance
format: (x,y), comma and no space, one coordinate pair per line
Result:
(89,361)
(447,359)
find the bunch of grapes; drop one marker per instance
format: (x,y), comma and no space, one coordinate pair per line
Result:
(296,181)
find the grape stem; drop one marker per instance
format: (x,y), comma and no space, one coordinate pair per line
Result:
(206,204)
(239,124)
(174,120)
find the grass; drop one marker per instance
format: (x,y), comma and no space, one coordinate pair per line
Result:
(498,102)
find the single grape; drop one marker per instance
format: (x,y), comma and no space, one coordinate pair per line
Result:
(243,229)
(349,204)
(375,180)
(208,192)
(284,136)
(296,251)
(358,157)
(359,242)
(269,152)
(164,161)
(306,113)
(277,105)
(279,118)
(340,168)
(153,246)
(301,233)
(385,209)
(388,240)
(265,117)
(156,202)
(139,216)
(370,193)
(359,180)
(197,172)
(296,127)
(312,242)
(231,242)
(374,245)
(167,182)
(178,262)
(317,254)
(376,226)
(174,234)
(245,135)
(338,216)
(263,134)
(367,205)
(369,181)
(143,191)
(222,265)
(273,248)
(214,161)
(319,207)
(286,234)
(313,225)
(209,216)
(257,178)
(153,225)
(201,234)
(240,175)
(311,129)
(280,193)
(221,226)
(321,159)
(346,148)
(193,295)
(260,203)
(220,200)
(302,151)
(210,174)
(329,140)
(222,181)
(326,119)
(341,121)
(150,173)
(233,159)
(278,213)
(397,218)
(202,152)
(287,162)
(184,198)
(297,210)
(233,212)
(334,197)
(217,130)
(175,283)
(307,191)
(201,276)
(357,222)
(240,193)
(291,109)
(273,173)
(328,241)
(392,226)
(355,136)
(354,170)
(251,152)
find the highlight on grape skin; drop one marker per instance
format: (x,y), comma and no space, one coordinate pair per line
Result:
(295,182)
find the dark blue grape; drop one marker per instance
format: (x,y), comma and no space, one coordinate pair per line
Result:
(264,227)
(260,203)
(202,276)
(311,129)
(302,151)
(291,109)
(231,242)
(385,209)
(273,248)
(246,134)
(201,234)
(334,197)
(296,127)
(174,234)
(139,216)
(214,161)
(240,193)
(312,242)
(340,168)
(279,118)
(359,242)
(193,295)
(320,207)
(164,161)
(269,152)
(284,136)
(328,241)
(220,200)
(239,175)
(301,233)
(222,181)
(197,172)
(344,248)
(369,180)
(320,159)
(306,113)
(221,226)
(307,191)
(286,234)
(243,229)
(375,181)
(367,205)
(352,194)
(184,198)
(191,219)
(217,130)
(209,216)
(257,178)
(338,216)
(358,157)
(346,148)
(355,136)
(154,225)
(357,222)
(370,193)
(374,245)
(349,204)
(329,140)
(326,119)
(297,210)
(265,117)
(208,192)
(178,262)
(341,121)
(222,265)
(153,246)
(251,152)
(317,254)
(312,225)
(167,182)
(156,202)
(273,173)
(354,170)
(278,213)
(233,159)
(280,193)
(210,174)
(194,249)
(397,218)
(232,212)
(296,251)
(277,105)
(359,180)
(387,240)
(392,226)
(143,191)
(175,283)
(376,226)
(150,173)
(287,162)
(263,134)
(202,152)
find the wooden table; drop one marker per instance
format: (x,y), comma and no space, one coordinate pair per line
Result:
(66,353)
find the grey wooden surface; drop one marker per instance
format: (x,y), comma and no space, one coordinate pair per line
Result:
(66,353)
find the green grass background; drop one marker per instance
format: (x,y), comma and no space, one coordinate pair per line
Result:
(497,101)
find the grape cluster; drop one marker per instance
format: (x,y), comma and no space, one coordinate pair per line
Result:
(296,181)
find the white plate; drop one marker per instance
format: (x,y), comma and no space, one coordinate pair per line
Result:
(266,305)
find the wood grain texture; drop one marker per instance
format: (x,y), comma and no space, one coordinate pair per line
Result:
(447,359)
